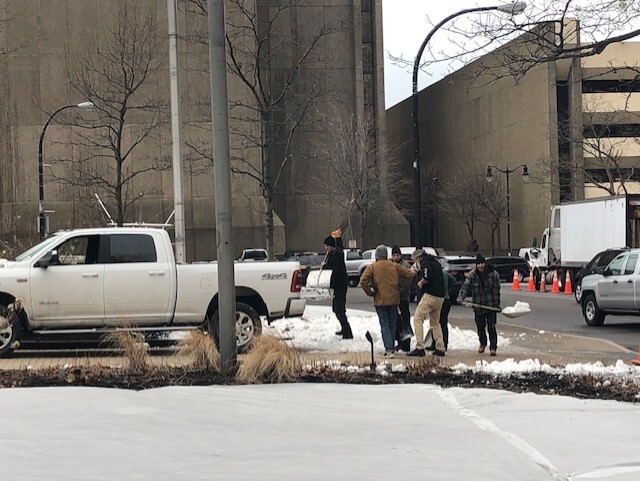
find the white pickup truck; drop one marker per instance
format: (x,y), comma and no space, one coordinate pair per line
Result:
(93,280)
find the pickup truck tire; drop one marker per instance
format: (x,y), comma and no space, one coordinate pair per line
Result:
(578,291)
(10,334)
(593,316)
(248,326)
(354,281)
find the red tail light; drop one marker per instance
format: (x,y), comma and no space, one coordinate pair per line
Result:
(296,281)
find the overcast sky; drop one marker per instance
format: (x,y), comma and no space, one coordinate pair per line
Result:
(405,26)
(407,22)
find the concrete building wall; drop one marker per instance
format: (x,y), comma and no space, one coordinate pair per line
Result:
(468,121)
(467,124)
(44,38)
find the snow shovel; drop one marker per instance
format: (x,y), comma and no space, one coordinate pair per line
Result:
(510,313)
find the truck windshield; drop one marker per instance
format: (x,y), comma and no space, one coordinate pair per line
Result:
(26,255)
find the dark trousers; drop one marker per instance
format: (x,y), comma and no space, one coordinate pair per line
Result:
(339,307)
(444,321)
(487,320)
(403,326)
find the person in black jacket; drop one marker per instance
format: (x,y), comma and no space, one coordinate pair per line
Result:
(339,281)
(431,286)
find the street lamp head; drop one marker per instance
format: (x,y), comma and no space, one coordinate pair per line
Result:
(525,173)
(85,105)
(489,174)
(515,8)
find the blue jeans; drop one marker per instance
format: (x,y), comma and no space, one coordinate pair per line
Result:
(388,317)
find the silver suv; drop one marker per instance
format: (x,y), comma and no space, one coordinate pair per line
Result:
(612,290)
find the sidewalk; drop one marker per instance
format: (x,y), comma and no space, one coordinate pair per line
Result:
(525,343)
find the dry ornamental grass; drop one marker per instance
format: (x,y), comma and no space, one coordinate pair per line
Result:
(270,360)
(200,348)
(134,347)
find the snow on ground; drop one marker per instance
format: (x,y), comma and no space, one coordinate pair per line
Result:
(314,432)
(315,332)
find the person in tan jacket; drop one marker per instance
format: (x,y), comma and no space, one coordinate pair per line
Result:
(383,280)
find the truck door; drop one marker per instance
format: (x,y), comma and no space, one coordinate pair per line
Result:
(138,287)
(609,286)
(71,288)
(626,284)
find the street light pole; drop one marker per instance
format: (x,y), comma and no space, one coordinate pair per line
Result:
(507,172)
(41,213)
(512,9)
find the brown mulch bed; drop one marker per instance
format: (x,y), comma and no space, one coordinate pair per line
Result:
(585,387)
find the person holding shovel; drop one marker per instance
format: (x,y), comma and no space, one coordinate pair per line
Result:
(334,261)
(483,283)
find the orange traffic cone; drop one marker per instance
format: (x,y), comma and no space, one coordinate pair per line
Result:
(531,286)
(636,362)
(567,284)
(554,287)
(543,282)
(515,286)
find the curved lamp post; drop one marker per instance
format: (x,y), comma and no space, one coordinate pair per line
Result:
(41,217)
(507,171)
(512,9)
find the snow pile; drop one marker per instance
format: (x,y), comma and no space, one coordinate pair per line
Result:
(520,307)
(315,332)
(619,371)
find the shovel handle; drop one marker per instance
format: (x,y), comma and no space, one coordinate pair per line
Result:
(481,306)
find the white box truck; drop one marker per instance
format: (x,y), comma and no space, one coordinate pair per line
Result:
(577,231)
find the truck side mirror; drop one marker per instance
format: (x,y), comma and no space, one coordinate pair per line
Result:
(606,272)
(50,258)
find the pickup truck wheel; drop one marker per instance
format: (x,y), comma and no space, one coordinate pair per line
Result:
(9,332)
(248,326)
(593,316)
(578,292)
(354,281)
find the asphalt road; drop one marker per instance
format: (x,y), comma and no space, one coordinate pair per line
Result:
(549,312)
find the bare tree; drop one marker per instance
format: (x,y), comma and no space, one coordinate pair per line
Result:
(545,32)
(459,197)
(608,135)
(109,152)
(492,202)
(268,57)
(402,190)
(354,182)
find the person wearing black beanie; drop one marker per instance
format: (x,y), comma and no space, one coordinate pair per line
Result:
(483,284)
(334,261)
(329,241)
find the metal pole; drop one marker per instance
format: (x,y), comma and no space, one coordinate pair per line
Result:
(42,221)
(417,207)
(176,141)
(508,212)
(222,178)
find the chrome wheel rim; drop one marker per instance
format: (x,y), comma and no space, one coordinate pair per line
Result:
(590,311)
(5,333)
(578,292)
(244,329)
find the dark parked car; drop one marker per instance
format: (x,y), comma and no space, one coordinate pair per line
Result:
(459,267)
(601,259)
(505,266)
(308,263)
